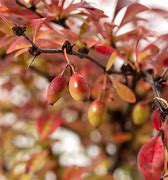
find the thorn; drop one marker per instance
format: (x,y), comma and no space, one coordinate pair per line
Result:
(31,62)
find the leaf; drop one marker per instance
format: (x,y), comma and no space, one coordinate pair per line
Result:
(156,121)
(151,159)
(120,5)
(162,102)
(44,33)
(105,49)
(133,34)
(131,12)
(148,52)
(121,137)
(85,27)
(94,12)
(6,41)
(123,91)
(19,43)
(47,124)
(73,173)
(36,161)
(164,129)
(6,21)
(108,28)
(165,62)
(36,25)
(111,60)
(22,51)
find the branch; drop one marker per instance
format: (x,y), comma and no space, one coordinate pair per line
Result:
(35,50)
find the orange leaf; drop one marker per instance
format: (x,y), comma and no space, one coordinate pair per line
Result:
(36,25)
(73,173)
(19,43)
(123,91)
(121,137)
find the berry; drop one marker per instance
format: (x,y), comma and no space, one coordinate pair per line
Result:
(97,112)
(78,87)
(55,89)
(140,113)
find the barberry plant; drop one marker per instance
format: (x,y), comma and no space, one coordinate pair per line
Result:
(66,67)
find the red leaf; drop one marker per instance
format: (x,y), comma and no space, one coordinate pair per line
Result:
(165,62)
(151,159)
(156,120)
(120,5)
(164,128)
(36,25)
(19,43)
(131,11)
(9,3)
(47,124)
(104,49)
(94,12)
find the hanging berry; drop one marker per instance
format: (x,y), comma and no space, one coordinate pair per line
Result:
(55,89)
(97,112)
(78,87)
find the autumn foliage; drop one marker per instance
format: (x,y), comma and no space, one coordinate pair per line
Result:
(82,96)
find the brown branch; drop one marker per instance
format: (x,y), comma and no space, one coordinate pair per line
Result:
(35,50)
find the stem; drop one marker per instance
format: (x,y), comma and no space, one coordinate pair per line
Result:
(136,56)
(104,86)
(66,57)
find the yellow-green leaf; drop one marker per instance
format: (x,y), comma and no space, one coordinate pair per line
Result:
(111,60)
(123,91)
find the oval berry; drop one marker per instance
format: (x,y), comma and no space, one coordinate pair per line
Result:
(78,87)
(55,89)
(140,113)
(97,112)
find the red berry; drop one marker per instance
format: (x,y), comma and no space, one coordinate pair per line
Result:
(55,89)
(97,112)
(78,87)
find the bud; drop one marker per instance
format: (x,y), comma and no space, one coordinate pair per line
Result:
(78,87)
(55,89)
(97,112)
(140,113)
